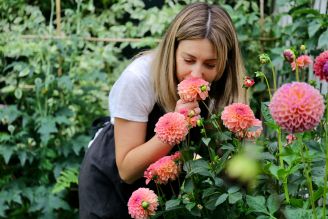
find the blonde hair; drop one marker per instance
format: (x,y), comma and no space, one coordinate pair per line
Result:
(199,21)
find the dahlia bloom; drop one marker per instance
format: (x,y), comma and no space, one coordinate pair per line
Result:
(238,117)
(297,107)
(142,203)
(192,89)
(320,66)
(302,62)
(171,128)
(165,169)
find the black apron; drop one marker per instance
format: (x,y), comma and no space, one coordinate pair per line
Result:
(102,194)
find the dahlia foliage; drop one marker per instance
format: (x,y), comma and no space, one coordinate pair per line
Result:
(268,162)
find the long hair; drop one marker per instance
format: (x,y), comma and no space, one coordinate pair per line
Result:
(200,21)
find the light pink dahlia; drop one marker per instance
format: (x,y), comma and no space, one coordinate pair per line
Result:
(320,66)
(165,169)
(238,117)
(190,117)
(302,62)
(192,89)
(171,128)
(142,203)
(297,107)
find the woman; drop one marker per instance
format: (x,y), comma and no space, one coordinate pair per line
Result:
(200,42)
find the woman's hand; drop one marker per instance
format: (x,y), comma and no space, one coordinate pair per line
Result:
(191,107)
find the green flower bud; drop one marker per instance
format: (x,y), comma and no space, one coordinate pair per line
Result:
(264,58)
(303,47)
(203,88)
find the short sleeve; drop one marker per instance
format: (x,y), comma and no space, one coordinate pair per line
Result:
(132,96)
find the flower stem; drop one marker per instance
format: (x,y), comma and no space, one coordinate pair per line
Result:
(274,77)
(269,89)
(306,173)
(326,172)
(216,123)
(296,73)
(281,163)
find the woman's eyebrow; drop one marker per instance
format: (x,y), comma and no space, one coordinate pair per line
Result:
(192,56)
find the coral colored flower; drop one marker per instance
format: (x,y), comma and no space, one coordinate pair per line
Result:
(238,117)
(248,82)
(289,55)
(302,62)
(252,134)
(171,128)
(190,117)
(165,169)
(320,66)
(143,203)
(297,107)
(192,89)
(290,138)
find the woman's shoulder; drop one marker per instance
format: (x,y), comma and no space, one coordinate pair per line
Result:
(141,64)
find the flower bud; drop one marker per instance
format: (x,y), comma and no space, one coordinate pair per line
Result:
(303,47)
(248,82)
(289,55)
(264,58)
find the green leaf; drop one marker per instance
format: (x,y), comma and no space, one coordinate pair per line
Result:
(221,199)
(257,204)
(323,40)
(273,203)
(18,93)
(172,204)
(233,189)
(6,152)
(197,167)
(234,197)
(313,27)
(299,213)
(206,141)
(3,208)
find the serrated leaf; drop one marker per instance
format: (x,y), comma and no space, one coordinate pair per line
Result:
(257,203)
(273,203)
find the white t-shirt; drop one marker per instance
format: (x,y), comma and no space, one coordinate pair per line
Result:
(132,96)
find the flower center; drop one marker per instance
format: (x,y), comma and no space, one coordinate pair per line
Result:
(144,205)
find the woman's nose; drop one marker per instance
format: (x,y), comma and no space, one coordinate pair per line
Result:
(196,71)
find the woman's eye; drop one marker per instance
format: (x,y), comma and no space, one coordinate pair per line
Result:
(210,66)
(189,61)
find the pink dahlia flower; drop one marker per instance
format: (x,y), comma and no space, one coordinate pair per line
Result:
(253,134)
(321,66)
(248,82)
(289,55)
(190,117)
(165,169)
(142,203)
(238,117)
(171,128)
(302,62)
(192,89)
(297,107)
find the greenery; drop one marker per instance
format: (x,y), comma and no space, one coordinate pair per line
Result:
(52,89)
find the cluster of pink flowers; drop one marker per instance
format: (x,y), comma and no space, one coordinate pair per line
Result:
(297,107)
(171,128)
(192,89)
(143,203)
(302,61)
(321,66)
(165,169)
(290,138)
(239,118)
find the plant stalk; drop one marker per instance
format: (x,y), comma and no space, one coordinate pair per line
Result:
(326,172)
(281,163)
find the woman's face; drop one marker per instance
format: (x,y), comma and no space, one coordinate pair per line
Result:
(196,58)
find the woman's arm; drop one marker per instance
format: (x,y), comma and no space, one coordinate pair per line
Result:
(133,154)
